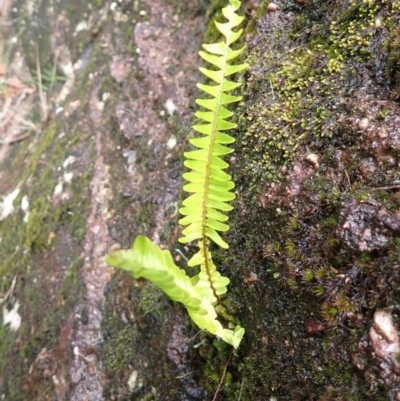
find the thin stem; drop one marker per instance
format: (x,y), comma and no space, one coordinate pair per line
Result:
(223,376)
(385,188)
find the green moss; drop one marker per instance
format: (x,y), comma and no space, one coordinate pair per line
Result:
(136,315)
(295,100)
(116,354)
(301,77)
(45,289)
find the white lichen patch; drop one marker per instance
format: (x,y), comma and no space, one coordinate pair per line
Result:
(7,207)
(67,177)
(100,106)
(24,203)
(132,380)
(69,160)
(170,107)
(68,69)
(171,143)
(58,188)
(82,26)
(12,317)
(25,208)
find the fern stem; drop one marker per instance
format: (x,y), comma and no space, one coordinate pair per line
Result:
(223,376)
(205,254)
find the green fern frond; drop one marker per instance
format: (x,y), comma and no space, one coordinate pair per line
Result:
(210,186)
(147,260)
(204,210)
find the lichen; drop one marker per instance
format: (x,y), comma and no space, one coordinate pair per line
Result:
(23,250)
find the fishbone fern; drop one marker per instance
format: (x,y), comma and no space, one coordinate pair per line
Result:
(211,190)
(208,182)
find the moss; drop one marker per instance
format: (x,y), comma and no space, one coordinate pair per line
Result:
(301,77)
(31,252)
(296,97)
(132,325)
(215,354)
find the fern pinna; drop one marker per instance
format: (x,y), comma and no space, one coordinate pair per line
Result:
(211,190)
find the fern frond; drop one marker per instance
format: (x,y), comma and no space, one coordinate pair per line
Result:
(211,191)
(210,186)
(147,260)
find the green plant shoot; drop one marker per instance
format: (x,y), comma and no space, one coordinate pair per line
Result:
(211,190)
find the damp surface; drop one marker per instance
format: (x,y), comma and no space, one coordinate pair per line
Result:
(91,156)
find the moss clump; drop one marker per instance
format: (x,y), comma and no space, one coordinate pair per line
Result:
(303,86)
(215,355)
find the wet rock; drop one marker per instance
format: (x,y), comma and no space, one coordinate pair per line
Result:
(272,7)
(367,168)
(178,343)
(119,68)
(385,343)
(363,124)
(313,326)
(251,278)
(314,160)
(178,348)
(367,227)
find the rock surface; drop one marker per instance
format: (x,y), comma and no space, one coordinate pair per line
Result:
(92,130)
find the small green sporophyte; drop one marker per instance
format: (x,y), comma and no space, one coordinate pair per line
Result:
(205,209)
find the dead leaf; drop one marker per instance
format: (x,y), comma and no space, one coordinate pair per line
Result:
(14,86)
